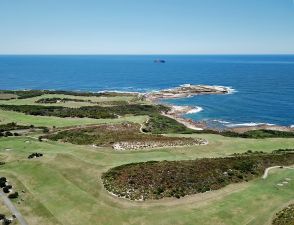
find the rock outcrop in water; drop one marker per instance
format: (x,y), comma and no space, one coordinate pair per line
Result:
(187,90)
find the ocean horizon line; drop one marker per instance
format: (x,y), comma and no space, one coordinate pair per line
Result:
(151,54)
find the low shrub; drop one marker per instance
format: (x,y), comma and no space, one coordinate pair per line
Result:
(13,195)
(96,112)
(285,216)
(155,180)
(159,124)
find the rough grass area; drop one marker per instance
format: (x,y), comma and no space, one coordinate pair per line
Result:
(67,101)
(155,180)
(13,126)
(120,136)
(23,94)
(75,101)
(95,112)
(57,100)
(159,124)
(7,96)
(52,121)
(285,216)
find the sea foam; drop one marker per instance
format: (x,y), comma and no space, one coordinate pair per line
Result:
(195,110)
(251,124)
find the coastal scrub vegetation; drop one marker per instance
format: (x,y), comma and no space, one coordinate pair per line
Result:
(159,124)
(285,216)
(14,126)
(96,112)
(55,100)
(256,134)
(23,94)
(12,129)
(120,136)
(155,180)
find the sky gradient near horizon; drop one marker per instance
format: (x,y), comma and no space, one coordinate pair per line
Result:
(147,27)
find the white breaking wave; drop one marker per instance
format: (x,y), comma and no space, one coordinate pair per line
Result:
(292,126)
(221,121)
(248,124)
(231,90)
(195,110)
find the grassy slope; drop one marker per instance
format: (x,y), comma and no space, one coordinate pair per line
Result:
(64,186)
(21,118)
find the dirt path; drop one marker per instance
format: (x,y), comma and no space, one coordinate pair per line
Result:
(143,124)
(185,122)
(265,175)
(13,209)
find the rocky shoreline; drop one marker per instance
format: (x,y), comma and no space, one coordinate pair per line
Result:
(188,90)
(185,91)
(177,113)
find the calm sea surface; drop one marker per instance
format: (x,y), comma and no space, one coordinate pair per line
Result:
(264,85)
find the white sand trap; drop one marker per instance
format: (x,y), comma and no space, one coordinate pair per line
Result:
(281,185)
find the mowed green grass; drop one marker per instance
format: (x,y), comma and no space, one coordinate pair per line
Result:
(64,186)
(50,121)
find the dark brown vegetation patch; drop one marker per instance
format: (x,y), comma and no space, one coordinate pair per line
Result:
(285,216)
(155,180)
(126,135)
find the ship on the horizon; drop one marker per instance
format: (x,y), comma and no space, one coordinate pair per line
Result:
(159,61)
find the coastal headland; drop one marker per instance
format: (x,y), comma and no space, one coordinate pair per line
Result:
(72,156)
(189,90)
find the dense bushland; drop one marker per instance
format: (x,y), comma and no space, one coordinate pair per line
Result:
(96,112)
(159,124)
(257,134)
(155,180)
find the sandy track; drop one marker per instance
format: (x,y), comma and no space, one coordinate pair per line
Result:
(13,209)
(265,175)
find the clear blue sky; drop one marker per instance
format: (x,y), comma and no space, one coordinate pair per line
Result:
(146,26)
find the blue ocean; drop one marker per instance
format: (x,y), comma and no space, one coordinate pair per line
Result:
(263,85)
